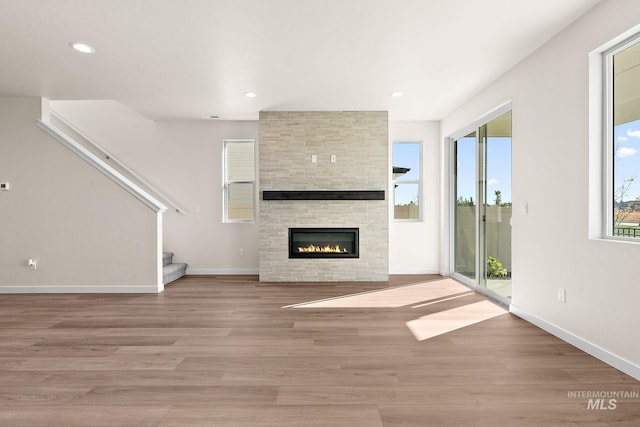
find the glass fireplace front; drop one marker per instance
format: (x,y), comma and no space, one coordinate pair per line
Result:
(323,243)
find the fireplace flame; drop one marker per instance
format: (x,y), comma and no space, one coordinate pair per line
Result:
(322,249)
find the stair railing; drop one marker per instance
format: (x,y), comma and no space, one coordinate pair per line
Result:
(102,166)
(108,157)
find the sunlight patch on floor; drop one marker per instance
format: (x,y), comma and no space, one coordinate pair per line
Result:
(443,299)
(391,297)
(449,320)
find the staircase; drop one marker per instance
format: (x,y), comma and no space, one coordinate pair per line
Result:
(171,271)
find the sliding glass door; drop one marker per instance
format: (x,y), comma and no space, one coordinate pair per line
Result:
(495,185)
(465,208)
(482,207)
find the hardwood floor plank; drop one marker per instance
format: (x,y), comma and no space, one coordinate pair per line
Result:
(302,364)
(172,332)
(10,379)
(193,351)
(247,340)
(564,361)
(137,341)
(298,332)
(108,363)
(482,375)
(11,362)
(379,395)
(291,376)
(392,331)
(175,395)
(40,394)
(46,333)
(338,341)
(60,351)
(337,351)
(140,321)
(445,363)
(599,375)
(273,416)
(18,342)
(125,378)
(83,416)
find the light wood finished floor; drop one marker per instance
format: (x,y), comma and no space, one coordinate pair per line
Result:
(222,351)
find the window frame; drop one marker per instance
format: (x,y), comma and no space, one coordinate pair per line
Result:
(395,182)
(608,129)
(227,182)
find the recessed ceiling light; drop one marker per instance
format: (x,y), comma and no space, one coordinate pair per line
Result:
(250,94)
(82,47)
(396,94)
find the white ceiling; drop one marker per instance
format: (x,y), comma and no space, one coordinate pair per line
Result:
(187,59)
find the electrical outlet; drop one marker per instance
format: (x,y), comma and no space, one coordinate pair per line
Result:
(241,252)
(5,186)
(33,264)
(333,158)
(562,295)
(314,158)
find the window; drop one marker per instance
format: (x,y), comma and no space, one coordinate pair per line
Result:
(239,180)
(622,85)
(407,178)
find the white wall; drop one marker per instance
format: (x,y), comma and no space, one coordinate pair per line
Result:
(86,233)
(183,159)
(551,245)
(414,247)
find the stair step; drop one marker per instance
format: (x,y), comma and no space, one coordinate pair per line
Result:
(173,272)
(167,258)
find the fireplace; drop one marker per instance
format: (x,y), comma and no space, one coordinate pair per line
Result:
(323,243)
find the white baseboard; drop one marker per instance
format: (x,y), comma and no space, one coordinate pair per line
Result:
(607,357)
(222,271)
(253,271)
(135,289)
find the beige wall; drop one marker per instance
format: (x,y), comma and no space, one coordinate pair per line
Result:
(359,140)
(86,233)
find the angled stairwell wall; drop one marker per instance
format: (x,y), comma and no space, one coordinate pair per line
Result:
(86,233)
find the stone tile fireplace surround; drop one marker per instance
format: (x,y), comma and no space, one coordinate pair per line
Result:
(359,142)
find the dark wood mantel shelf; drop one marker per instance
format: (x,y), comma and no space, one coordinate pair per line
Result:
(323,195)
